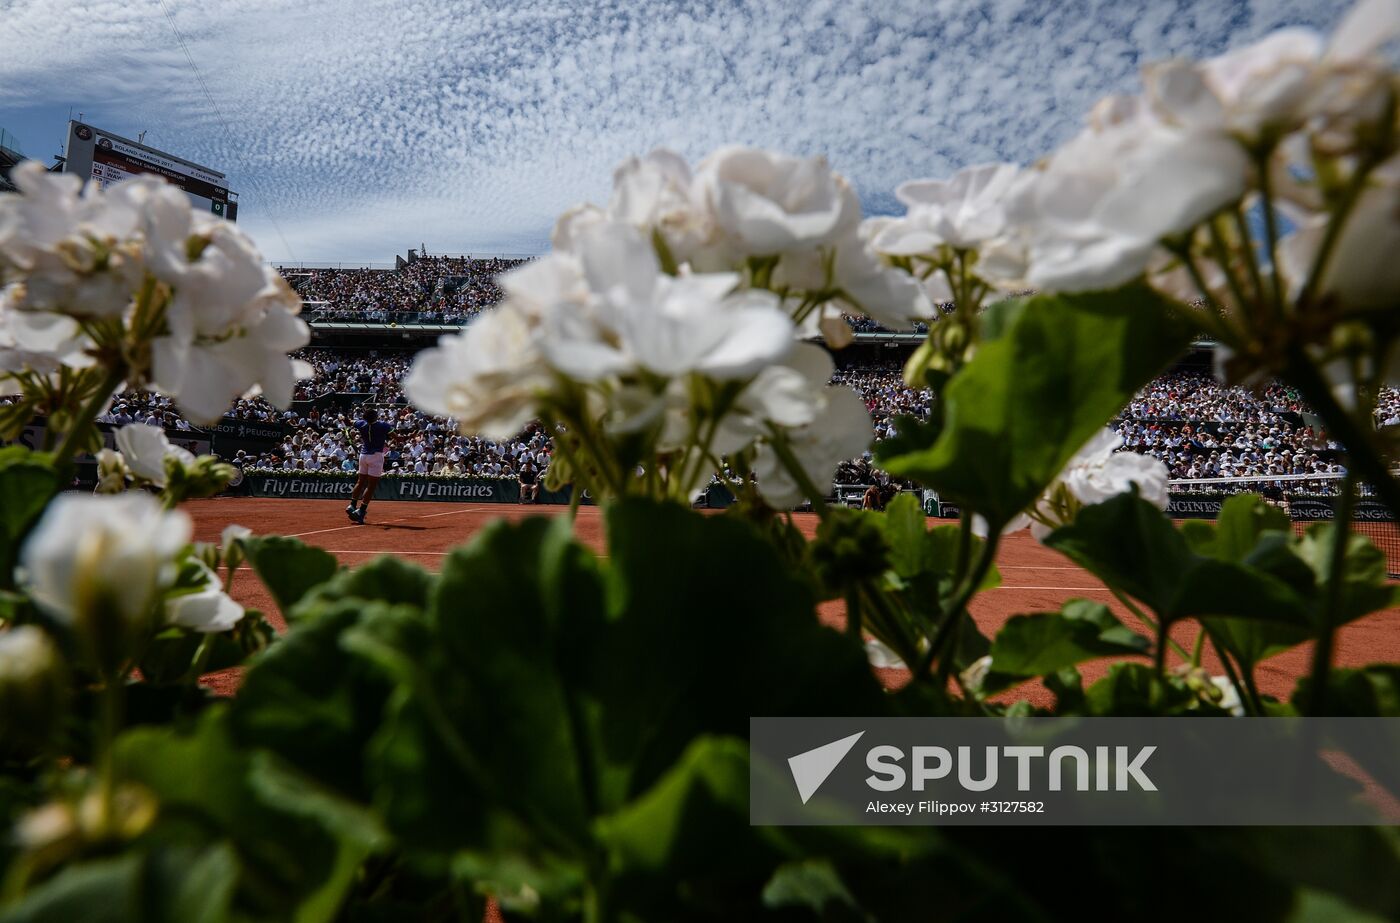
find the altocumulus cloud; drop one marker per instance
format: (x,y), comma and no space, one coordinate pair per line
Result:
(365,127)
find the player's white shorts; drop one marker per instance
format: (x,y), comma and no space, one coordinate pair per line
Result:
(372,465)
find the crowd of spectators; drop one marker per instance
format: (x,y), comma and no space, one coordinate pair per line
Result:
(429,289)
(1202,429)
(1198,427)
(325,441)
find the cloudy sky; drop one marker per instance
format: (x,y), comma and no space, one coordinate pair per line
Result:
(355,129)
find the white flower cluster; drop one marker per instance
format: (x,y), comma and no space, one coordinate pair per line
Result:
(1293,112)
(133,276)
(674,317)
(94,560)
(787,224)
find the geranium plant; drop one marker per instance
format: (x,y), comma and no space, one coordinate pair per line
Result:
(563,732)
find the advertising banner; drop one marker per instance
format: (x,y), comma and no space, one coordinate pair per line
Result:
(338,487)
(231,434)
(32,437)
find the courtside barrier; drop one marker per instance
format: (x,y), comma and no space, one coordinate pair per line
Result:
(390,487)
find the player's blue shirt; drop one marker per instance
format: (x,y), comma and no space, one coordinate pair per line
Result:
(372,436)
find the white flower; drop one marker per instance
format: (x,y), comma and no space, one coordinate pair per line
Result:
(1096,473)
(890,296)
(976,673)
(640,318)
(792,392)
(1362,272)
(83,253)
(657,193)
(233,532)
(207,610)
(96,555)
(964,212)
(1229,696)
(1273,86)
(882,657)
(486,377)
(768,203)
(842,430)
(71,245)
(145,450)
(569,228)
(1091,215)
(204,374)
(38,342)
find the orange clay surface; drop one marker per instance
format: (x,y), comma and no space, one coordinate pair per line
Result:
(1034,578)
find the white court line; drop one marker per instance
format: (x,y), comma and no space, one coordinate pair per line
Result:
(1078,589)
(396,551)
(474,509)
(1036,567)
(437,554)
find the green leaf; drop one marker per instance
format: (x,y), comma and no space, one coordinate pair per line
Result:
(906,530)
(1034,396)
(667,837)
(315,702)
(813,884)
(1136,690)
(289,568)
(1045,643)
(1130,544)
(1369,692)
(1365,587)
(26,487)
(558,689)
(1320,907)
(384,579)
(1243,519)
(205,884)
(100,891)
(294,867)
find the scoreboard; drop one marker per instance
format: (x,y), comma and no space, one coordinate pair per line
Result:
(106,158)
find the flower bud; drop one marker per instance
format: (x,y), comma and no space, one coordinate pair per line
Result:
(111,472)
(850,548)
(33,690)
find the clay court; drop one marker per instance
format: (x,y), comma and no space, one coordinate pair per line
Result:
(1034,578)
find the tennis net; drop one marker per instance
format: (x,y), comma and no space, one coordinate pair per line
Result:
(1307,498)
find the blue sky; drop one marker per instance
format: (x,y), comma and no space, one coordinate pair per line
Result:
(355,129)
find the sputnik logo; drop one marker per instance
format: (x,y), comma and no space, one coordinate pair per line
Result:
(811,768)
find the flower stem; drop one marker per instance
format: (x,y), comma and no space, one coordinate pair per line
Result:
(1147,620)
(109,723)
(1363,454)
(853,617)
(1262,299)
(799,474)
(69,446)
(1327,630)
(1222,258)
(1270,232)
(953,614)
(201,657)
(1243,692)
(1350,196)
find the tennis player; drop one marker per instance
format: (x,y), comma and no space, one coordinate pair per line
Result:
(373,434)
